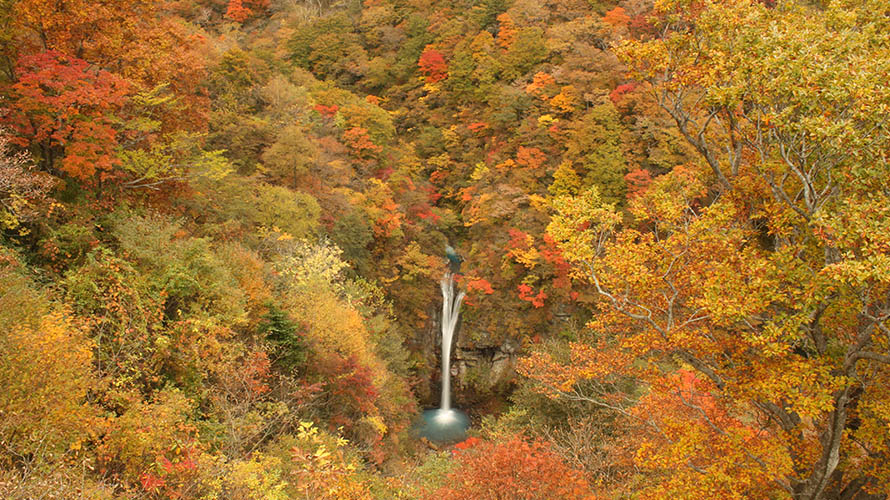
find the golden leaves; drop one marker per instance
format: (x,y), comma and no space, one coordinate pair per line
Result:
(582,224)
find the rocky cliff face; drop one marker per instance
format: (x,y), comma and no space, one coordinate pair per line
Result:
(480,369)
(485,368)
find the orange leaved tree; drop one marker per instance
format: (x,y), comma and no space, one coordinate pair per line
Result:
(514,469)
(66,108)
(749,298)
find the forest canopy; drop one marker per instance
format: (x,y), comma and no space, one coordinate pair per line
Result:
(223,224)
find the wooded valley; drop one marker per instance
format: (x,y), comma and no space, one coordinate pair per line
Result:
(223,224)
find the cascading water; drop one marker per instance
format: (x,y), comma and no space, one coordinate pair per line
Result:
(446,424)
(450,314)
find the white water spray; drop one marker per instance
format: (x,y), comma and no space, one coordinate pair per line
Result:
(450,313)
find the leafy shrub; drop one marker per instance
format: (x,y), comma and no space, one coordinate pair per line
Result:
(512,468)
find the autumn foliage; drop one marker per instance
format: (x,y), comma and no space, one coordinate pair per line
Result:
(223,222)
(433,65)
(240,10)
(511,467)
(721,318)
(68,108)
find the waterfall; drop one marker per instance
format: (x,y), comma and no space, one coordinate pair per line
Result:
(445,424)
(450,313)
